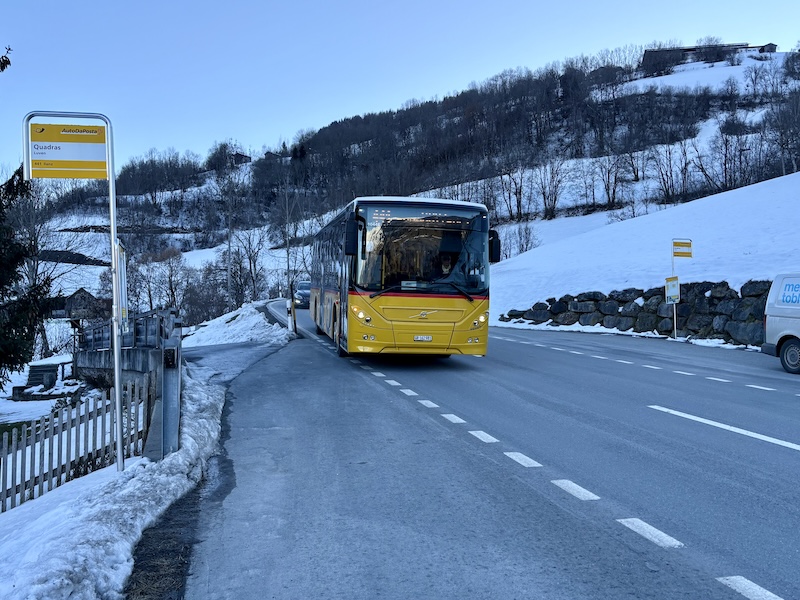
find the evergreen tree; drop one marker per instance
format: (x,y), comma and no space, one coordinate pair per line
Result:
(20,310)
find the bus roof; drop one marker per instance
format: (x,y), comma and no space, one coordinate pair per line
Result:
(418,200)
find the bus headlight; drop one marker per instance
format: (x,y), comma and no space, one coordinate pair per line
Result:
(361,315)
(479,322)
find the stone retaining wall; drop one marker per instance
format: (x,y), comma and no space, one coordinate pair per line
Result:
(706,310)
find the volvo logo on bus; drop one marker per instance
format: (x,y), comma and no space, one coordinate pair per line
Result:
(424,314)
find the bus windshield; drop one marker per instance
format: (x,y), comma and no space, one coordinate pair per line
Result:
(418,248)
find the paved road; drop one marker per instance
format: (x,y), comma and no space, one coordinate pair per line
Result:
(560,466)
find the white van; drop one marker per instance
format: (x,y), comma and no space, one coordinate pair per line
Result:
(782,321)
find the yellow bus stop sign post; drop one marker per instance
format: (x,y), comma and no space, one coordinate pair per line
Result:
(681,248)
(66,150)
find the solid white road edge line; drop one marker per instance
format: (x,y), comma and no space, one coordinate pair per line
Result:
(758,436)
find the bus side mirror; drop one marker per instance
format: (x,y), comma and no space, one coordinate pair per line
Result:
(351,235)
(494,246)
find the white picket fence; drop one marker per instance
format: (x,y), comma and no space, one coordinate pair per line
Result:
(73,441)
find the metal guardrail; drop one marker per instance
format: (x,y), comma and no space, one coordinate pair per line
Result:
(147,330)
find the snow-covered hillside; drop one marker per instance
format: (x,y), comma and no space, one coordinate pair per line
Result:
(747,233)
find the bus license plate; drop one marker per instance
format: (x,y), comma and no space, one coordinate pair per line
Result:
(423,338)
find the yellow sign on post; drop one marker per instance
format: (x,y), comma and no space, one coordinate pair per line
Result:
(682,248)
(67,151)
(672,289)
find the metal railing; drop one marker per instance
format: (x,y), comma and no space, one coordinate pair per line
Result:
(146,330)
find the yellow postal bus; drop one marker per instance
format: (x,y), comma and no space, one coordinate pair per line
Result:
(404,275)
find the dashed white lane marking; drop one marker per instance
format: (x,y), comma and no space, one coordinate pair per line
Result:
(624,362)
(454,418)
(651,533)
(574,489)
(575,352)
(526,343)
(684,373)
(522,459)
(600,357)
(355,361)
(758,436)
(559,349)
(393,382)
(428,404)
(366,367)
(539,345)
(652,367)
(760,387)
(484,437)
(408,392)
(747,588)
(719,379)
(378,374)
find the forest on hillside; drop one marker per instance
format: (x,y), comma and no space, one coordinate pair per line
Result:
(521,119)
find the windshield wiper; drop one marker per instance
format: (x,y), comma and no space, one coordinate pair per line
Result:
(384,290)
(461,290)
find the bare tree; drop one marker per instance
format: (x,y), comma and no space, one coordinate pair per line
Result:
(252,243)
(5,61)
(548,182)
(512,185)
(784,126)
(229,187)
(672,164)
(55,253)
(731,161)
(755,77)
(172,277)
(609,171)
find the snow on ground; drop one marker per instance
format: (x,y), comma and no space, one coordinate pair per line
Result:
(15,412)
(713,75)
(77,541)
(747,233)
(245,324)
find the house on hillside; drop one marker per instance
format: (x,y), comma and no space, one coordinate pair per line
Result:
(768,48)
(240,159)
(659,61)
(81,304)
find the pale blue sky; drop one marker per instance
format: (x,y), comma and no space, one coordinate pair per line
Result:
(188,74)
